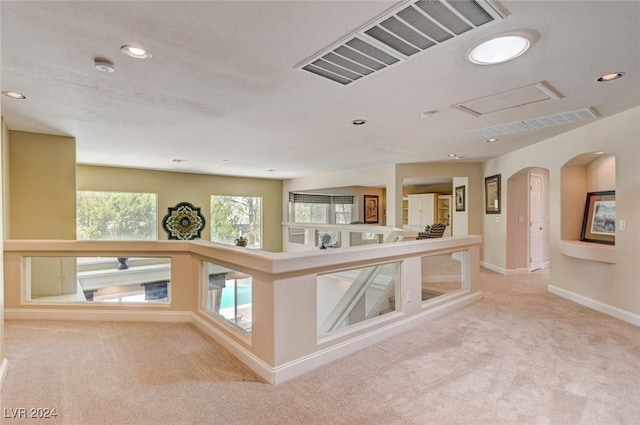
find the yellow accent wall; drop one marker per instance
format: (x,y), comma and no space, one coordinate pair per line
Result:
(173,188)
(42,179)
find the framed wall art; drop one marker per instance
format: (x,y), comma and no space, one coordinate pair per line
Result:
(183,222)
(460,198)
(599,220)
(492,194)
(371,209)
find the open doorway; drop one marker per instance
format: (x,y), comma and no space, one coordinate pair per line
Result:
(527,221)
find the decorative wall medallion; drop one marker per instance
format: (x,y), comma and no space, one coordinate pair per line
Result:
(183,222)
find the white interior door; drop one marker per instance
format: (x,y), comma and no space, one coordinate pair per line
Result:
(536,231)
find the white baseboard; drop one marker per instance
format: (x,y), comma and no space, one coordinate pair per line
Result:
(442,278)
(312,361)
(263,370)
(497,269)
(4,368)
(607,309)
(98,315)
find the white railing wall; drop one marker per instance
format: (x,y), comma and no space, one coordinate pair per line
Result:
(284,340)
(298,237)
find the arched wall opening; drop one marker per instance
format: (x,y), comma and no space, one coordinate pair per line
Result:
(528,220)
(585,173)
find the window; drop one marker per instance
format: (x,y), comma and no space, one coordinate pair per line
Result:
(227,294)
(236,216)
(343,209)
(98,280)
(116,216)
(321,209)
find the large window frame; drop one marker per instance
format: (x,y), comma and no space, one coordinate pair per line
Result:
(233,217)
(109,215)
(312,208)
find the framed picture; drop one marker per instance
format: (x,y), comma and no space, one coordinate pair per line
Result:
(460,198)
(599,221)
(371,208)
(492,194)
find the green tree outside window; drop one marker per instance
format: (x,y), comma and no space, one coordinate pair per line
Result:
(235,216)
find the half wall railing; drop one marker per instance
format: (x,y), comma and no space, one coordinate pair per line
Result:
(268,309)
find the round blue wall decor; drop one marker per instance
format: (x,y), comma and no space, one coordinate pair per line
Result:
(183,222)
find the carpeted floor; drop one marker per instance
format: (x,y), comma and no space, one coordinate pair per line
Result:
(518,356)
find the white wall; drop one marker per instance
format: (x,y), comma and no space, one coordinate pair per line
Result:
(611,287)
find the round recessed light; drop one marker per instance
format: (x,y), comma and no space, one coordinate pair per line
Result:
(359,122)
(458,157)
(135,52)
(179,160)
(499,49)
(104,65)
(14,95)
(428,114)
(491,140)
(452,155)
(610,77)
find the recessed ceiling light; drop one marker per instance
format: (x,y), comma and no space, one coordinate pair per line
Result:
(135,52)
(271,170)
(610,77)
(179,160)
(428,114)
(14,95)
(499,49)
(104,65)
(452,155)
(458,157)
(491,140)
(359,122)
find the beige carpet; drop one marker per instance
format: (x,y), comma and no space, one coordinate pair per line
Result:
(518,356)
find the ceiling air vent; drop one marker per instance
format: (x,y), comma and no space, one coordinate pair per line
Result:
(393,38)
(540,122)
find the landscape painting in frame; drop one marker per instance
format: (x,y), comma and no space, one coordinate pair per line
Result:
(599,221)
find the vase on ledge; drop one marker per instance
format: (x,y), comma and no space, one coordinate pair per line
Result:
(123,263)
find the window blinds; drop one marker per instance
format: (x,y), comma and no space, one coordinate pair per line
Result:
(306,198)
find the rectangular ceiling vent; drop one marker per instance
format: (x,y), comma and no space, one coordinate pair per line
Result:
(395,37)
(540,122)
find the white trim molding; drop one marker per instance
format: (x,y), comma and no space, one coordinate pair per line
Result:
(4,368)
(310,362)
(607,309)
(97,315)
(497,269)
(254,363)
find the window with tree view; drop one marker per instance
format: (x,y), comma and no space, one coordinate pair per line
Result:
(116,215)
(320,208)
(233,217)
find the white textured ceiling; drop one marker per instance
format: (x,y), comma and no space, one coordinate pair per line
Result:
(221,91)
